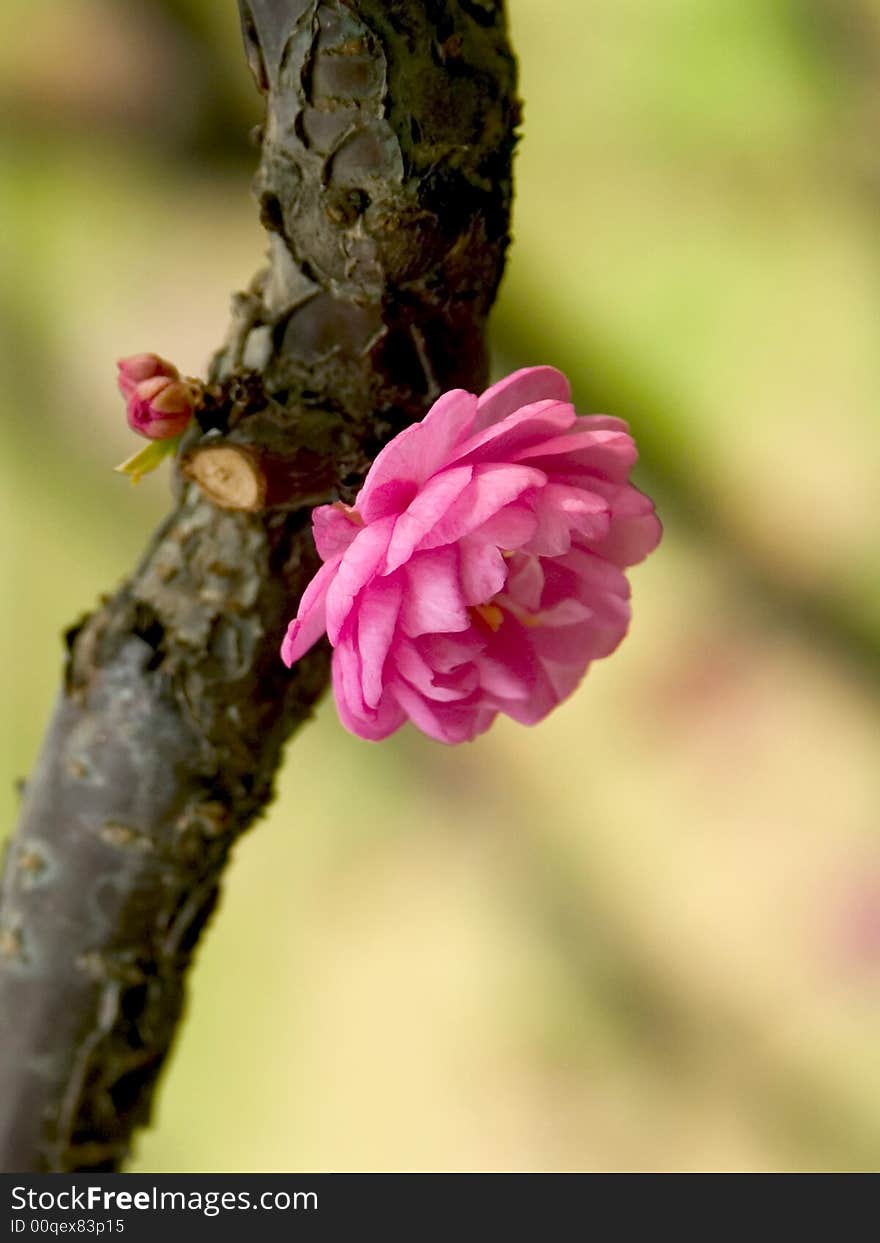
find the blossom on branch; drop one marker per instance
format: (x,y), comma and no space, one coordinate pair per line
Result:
(138,367)
(159,404)
(480,569)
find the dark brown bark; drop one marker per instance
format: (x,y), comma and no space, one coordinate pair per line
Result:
(384,183)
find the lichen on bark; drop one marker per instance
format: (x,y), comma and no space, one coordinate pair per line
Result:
(385,184)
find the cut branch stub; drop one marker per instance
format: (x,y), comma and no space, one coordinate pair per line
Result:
(246,477)
(231,476)
(274,459)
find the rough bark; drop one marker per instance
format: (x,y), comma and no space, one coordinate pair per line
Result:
(384,183)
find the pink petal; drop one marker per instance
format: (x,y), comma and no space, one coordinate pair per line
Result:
(309,624)
(607,454)
(389,499)
(525,583)
(449,723)
(347,671)
(560,510)
(520,389)
(589,640)
(565,613)
(333,530)
(511,527)
(448,653)
(354,714)
(412,666)
(508,667)
(491,489)
(377,615)
(418,451)
(426,510)
(565,679)
(585,432)
(483,569)
(542,699)
(581,575)
(511,439)
(387,719)
(518,684)
(502,681)
(364,558)
(139,367)
(601,422)
(594,584)
(433,601)
(635,528)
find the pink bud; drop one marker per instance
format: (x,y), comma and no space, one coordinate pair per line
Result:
(140,367)
(160,407)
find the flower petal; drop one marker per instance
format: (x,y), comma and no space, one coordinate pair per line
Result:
(520,389)
(635,529)
(415,670)
(353,712)
(363,559)
(525,693)
(333,530)
(433,601)
(503,680)
(449,723)
(511,439)
(607,454)
(449,653)
(525,583)
(309,624)
(483,569)
(562,510)
(512,527)
(416,453)
(491,489)
(425,512)
(630,540)
(584,432)
(378,612)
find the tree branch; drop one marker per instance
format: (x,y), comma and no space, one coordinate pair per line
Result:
(385,185)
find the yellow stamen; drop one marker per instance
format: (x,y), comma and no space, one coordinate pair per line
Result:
(491,614)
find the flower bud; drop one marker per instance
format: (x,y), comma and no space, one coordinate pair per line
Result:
(140,367)
(160,407)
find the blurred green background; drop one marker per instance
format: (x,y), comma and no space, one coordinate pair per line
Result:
(646,935)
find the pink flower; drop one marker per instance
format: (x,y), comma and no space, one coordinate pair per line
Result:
(481,567)
(158,403)
(139,367)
